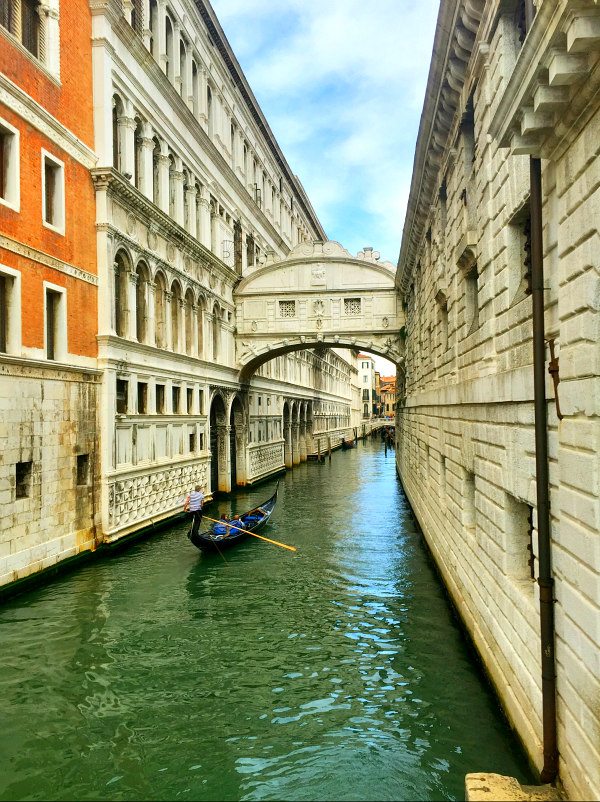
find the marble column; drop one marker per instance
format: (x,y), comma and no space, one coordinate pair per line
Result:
(151,322)
(145,165)
(190,202)
(168,321)
(163,179)
(132,305)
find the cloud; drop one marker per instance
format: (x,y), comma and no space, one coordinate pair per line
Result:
(342,86)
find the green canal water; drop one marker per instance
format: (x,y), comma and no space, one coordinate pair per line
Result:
(337,673)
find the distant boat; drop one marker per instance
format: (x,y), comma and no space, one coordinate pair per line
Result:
(214,539)
(347,444)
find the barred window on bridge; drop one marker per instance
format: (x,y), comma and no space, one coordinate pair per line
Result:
(352,306)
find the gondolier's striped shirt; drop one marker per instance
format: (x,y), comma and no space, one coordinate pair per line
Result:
(196,500)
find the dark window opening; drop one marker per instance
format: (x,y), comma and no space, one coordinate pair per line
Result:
(83,463)
(237,246)
(160,399)
(250,250)
(52,301)
(176,393)
(30,26)
(4,151)
(201,402)
(122,389)
(3,314)
(23,479)
(192,442)
(189,399)
(201,442)
(142,398)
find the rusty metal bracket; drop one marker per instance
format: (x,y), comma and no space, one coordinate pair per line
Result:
(553,371)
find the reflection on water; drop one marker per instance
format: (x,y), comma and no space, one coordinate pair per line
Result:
(337,672)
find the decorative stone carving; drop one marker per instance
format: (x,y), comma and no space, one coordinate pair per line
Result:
(131,223)
(139,498)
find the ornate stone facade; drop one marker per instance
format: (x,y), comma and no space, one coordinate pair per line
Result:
(508,80)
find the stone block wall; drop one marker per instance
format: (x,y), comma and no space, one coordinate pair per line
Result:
(47,421)
(466,444)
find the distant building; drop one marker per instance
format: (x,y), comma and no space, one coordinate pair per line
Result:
(387,392)
(366,380)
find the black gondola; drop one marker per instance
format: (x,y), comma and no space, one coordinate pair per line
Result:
(252,521)
(347,444)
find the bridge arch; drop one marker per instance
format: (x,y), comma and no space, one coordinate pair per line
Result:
(319,296)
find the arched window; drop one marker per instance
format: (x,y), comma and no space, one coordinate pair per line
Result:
(184,89)
(200,327)
(198,187)
(154,28)
(156,171)
(172,189)
(195,88)
(209,111)
(170,64)
(189,322)
(175,315)
(216,332)
(138,164)
(160,310)
(141,305)
(121,306)
(117,145)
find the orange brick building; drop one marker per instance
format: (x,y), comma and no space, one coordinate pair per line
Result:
(48,285)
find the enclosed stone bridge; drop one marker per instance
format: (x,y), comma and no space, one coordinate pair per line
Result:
(319,296)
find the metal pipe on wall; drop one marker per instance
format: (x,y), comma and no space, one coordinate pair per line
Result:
(545,580)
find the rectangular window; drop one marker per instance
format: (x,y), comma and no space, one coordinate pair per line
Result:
(189,400)
(472,300)
(468,511)
(352,306)
(201,402)
(142,398)
(176,397)
(53,189)
(519,255)
(160,399)
(9,166)
(259,400)
(192,442)
(520,556)
(23,479)
(122,391)
(287,309)
(4,295)
(201,441)
(83,461)
(52,322)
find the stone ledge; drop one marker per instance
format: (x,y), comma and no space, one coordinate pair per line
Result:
(483,787)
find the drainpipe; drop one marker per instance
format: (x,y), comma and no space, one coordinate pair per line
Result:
(545,580)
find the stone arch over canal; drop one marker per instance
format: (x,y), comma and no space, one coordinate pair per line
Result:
(320,296)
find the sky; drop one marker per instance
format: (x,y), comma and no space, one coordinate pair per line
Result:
(342,84)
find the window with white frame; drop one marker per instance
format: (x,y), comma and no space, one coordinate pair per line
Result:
(35,27)
(10,311)
(55,308)
(53,192)
(9,166)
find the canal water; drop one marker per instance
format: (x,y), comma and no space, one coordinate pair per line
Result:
(336,673)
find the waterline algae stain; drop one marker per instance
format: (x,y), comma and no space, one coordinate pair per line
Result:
(337,672)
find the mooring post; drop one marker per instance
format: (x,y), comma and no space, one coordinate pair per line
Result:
(329,447)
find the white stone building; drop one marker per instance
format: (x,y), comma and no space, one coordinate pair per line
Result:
(510,81)
(366,381)
(193,193)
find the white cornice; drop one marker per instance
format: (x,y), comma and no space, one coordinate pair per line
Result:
(30,110)
(35,255)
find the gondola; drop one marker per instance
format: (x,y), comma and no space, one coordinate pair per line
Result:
(347,444)
(252,521)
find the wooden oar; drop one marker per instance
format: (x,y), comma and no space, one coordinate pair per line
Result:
(260,537)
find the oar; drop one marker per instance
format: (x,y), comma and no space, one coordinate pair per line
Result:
(260,537)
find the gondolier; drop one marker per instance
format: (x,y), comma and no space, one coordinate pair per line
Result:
(193,505)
